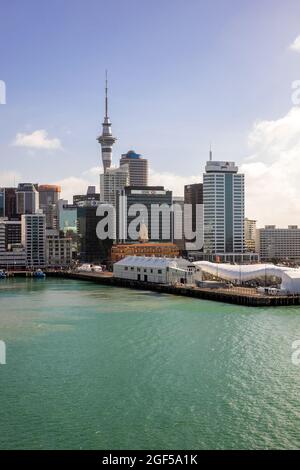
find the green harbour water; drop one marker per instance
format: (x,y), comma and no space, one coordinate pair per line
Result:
(97,367)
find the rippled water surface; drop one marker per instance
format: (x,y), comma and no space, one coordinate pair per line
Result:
(97,367)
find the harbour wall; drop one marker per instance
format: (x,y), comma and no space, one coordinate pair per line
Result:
(250,300)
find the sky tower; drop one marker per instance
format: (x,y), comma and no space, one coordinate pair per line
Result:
(106,139)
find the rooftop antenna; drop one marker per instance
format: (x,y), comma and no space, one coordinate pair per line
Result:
(210,153)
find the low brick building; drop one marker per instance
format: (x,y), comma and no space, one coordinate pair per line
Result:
(160,250)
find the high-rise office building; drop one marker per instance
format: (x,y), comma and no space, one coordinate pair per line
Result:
(193,217)
(112,181)
(12,232)
(178,222)
(278,244)
(137,167)
(2,234)
(34,238)
(2,202)
(49,194)
(193,195)
(250,234)
(91,198)
(159,223)
(223,198)
(10,203)
(67,216)
(12,253)
(90,248)
(67,222)
(106,139)
(58,249)
(27,198)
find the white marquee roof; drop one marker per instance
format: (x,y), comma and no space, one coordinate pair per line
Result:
(246,272)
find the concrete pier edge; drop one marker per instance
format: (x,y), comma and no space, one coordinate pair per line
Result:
(198,293)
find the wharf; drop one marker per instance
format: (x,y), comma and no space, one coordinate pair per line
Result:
(238,295)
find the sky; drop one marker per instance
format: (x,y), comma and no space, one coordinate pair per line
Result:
(182,74)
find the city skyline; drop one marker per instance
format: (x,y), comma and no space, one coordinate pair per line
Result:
(51,138)
(149,229)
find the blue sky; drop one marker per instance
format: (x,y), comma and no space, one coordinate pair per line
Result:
(182,73)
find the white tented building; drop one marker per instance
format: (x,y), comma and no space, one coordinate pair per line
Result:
(290,277)
(158,270)
(290,281)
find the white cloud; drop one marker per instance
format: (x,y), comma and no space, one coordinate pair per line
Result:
(73,185)
(93,172)
(37,140)
(9,178)
(273,171)
(172,182)
(79,184)
(295,46)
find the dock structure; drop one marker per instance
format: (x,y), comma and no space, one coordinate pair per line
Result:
(239,296)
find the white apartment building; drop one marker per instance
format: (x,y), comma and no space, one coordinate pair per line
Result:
(113,180)
(58,249)
(224,208)
(280,244)
(33,235)
(250,234)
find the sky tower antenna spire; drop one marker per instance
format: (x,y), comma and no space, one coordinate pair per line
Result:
(106,97)
(106,139)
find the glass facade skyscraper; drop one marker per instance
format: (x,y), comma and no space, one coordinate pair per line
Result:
(159,225)
(8,203)
(224,208)
(90,248)
(49,194)
(27,198)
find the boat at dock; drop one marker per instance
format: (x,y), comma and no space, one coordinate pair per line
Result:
(39,274)
(2,274)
